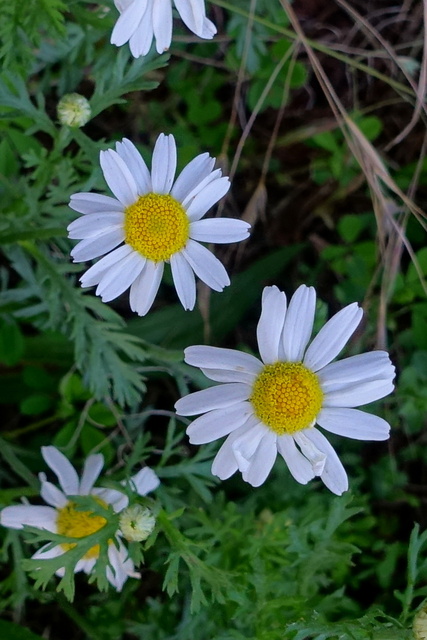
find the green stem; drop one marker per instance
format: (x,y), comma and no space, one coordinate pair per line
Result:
(8,454)
(34,426)
(69,610)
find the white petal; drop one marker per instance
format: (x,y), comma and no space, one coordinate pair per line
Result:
(116,499)
(93,224)
(91,470)
(184,281)
(209,196)
(298,465)
(224,359)
(200,186)
(332,337)
(17,516)
(63,469)
(262,461)
(122,5)
(145,481)
(192,174)
(270,324)
(222,375)
(118,177)
(120,276)
(192,13)
(247,443)
(46,554)
(219,230)
(127,22)
(334,475)
(94,203)
(99,269)
(85,565)
(225,464)
(298,323)
(163,164)
(144,289)
(140,41)
(217,397)
(218,423)
(206,266)
(133,159)
(360,368)
(94,247)
(122,566)
(352,423)
(51,494)
(355,395)
(162,24)
(208,29)
(314,455)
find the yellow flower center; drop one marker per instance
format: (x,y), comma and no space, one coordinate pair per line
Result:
(287,397)
(78,524)
(157,226)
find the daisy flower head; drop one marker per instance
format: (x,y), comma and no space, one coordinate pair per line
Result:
(270,405)
(62,517)
(142,20)
(155,220)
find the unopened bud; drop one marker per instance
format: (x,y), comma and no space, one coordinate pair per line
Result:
(73,110)
(136,523)
(420,625)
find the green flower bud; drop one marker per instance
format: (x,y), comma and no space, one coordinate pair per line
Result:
(73,110)
(136,523)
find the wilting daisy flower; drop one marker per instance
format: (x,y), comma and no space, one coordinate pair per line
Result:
(155,220)
(142,20)
(63,518)
(271,405)
(137,523)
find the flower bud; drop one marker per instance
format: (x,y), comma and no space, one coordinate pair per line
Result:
(73,110)
(136,523)
(420,624)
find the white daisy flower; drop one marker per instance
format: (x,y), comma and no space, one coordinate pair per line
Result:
(271,405)
(142,20)
(155,220)
(63,518)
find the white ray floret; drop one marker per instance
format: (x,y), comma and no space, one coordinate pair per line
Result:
(152,220)
(271,405)
(58,516)
(142,20)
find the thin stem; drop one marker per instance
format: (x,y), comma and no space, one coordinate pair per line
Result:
(318,46)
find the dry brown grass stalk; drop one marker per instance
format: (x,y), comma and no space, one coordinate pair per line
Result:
(377,178)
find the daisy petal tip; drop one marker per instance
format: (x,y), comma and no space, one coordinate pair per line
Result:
(254,483)
(188,307)
(48,449)
(177,406)
(338,491)
(192,438)
(190,353)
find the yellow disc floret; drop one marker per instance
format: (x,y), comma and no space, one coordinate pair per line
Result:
(78,524)
(157,226)
(286,397)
